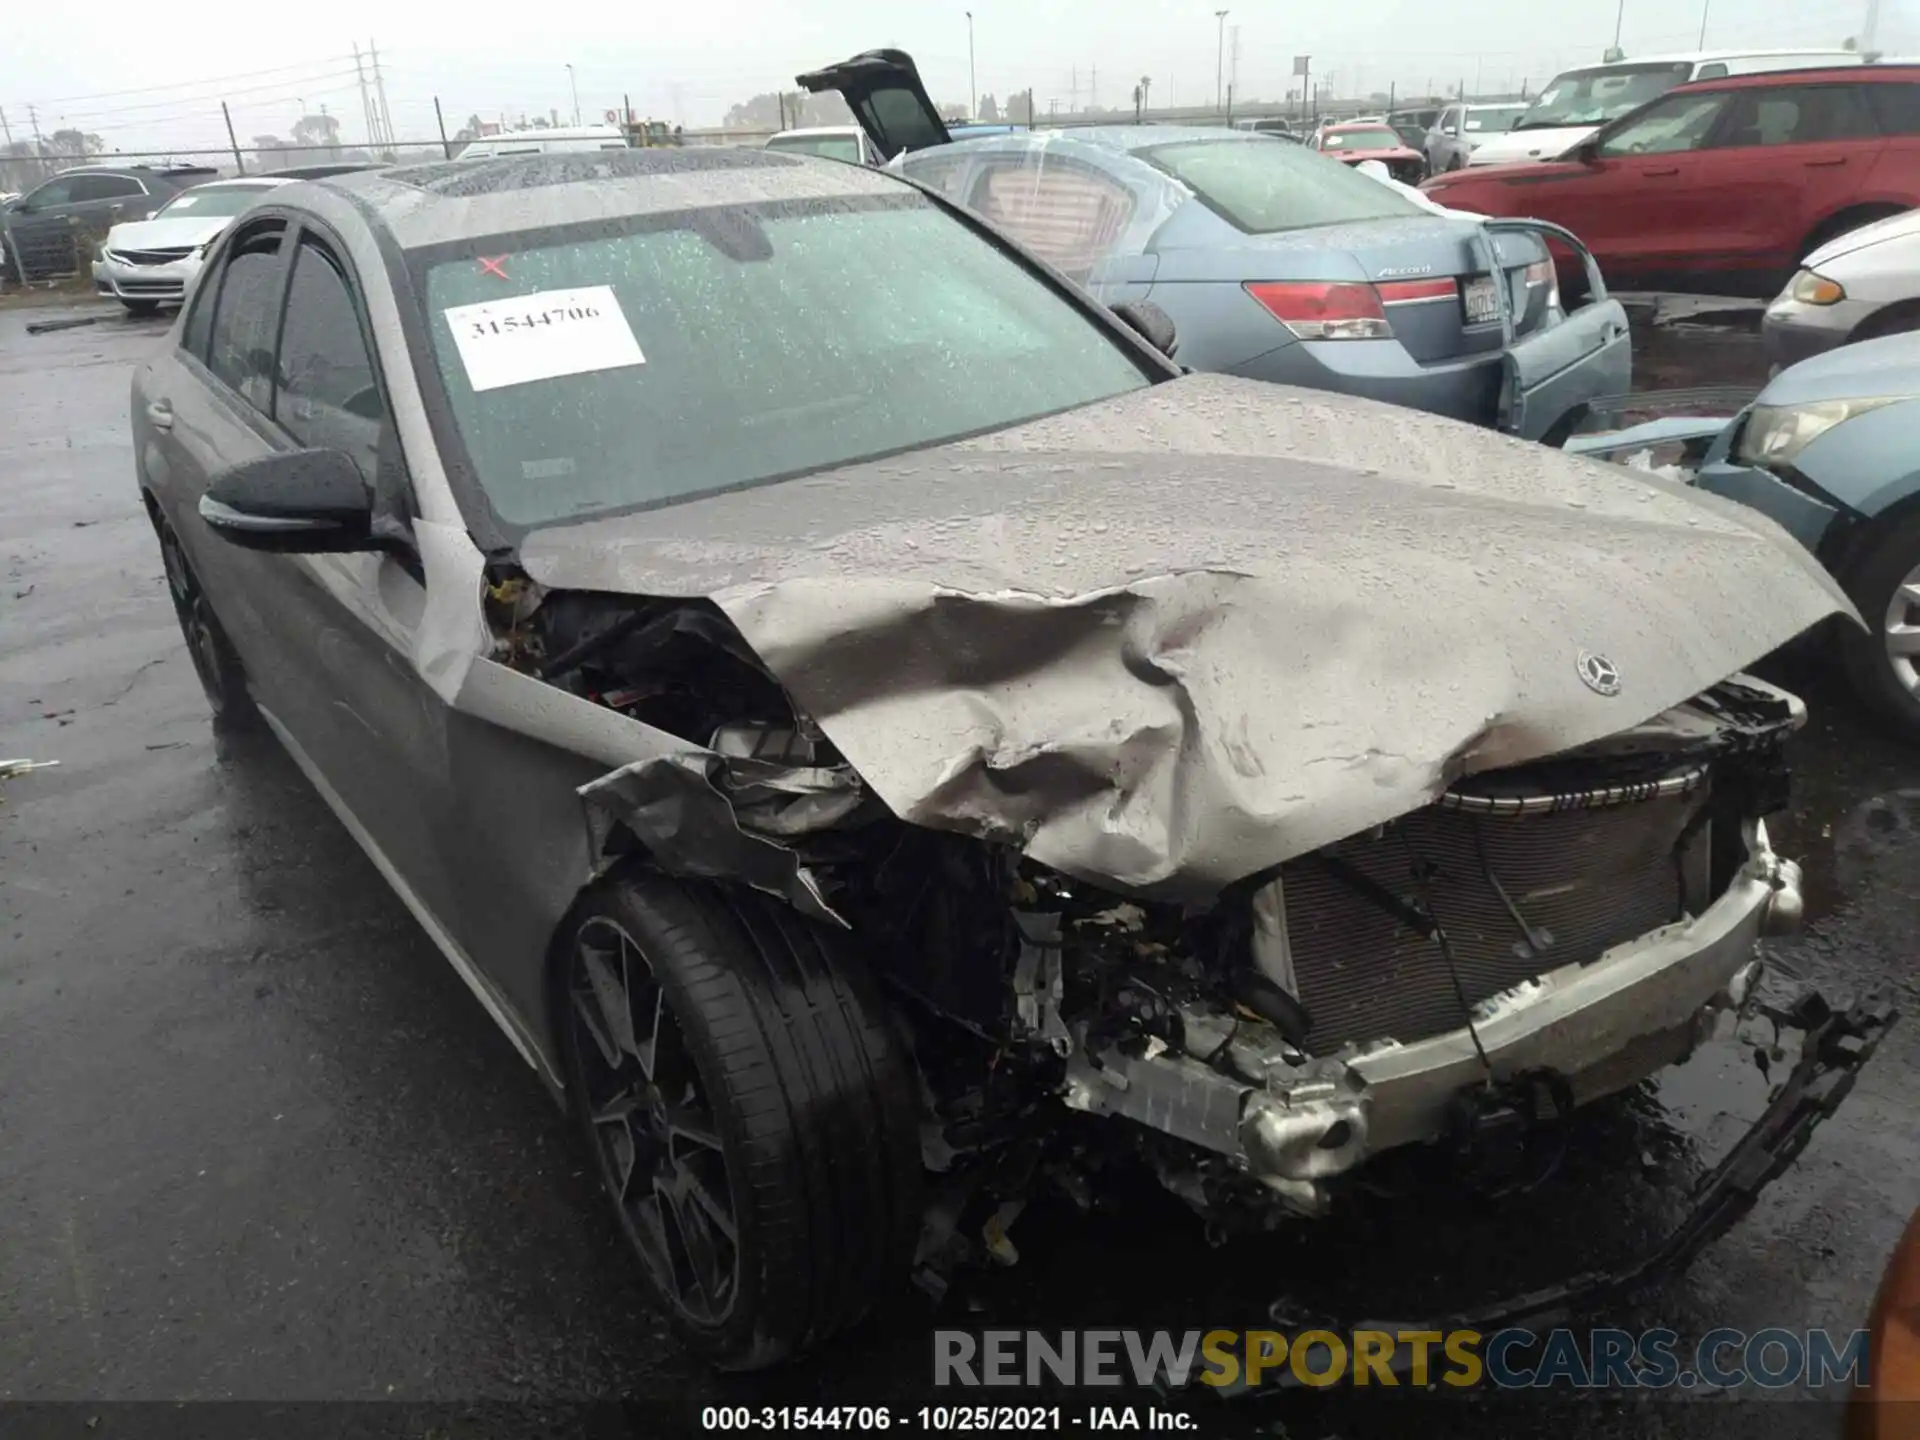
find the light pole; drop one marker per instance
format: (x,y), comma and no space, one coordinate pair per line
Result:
(973,84)
(1619,14)
(573,85)
(1220,61)
(1705,6)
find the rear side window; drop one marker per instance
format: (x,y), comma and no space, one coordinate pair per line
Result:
(199,327)
(105,187)
(1896,107)
(245,318)
(1070,215)
(1712,71)
(1668,127)
(328,396)
(1797,115)
(1260,187)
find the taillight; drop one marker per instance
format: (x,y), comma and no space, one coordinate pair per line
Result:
(1322,310)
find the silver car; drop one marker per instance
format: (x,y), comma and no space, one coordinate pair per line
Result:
(1859,286)
(834,752)
(1276,262)
(145,264)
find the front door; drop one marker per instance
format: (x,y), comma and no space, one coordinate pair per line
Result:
(1631,197)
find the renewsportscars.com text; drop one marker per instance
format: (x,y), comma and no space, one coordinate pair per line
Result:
(1511,1359)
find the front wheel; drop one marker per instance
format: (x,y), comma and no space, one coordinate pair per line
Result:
(751,1109)
(1884,664)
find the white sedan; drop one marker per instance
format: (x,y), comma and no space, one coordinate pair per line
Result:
(145,264)
(1860,285)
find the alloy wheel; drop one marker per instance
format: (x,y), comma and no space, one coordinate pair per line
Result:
(1902,632)
(653,1128)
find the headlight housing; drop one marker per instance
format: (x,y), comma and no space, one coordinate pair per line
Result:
(1810,288)
(1774,435)
(99,251)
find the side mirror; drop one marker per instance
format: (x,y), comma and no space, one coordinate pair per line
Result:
(1587,152)
(302,502)
(1150,323)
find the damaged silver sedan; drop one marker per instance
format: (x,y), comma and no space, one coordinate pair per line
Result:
(869,727)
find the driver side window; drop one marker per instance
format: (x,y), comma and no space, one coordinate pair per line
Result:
(1666,127)
(327,395)
(54,192)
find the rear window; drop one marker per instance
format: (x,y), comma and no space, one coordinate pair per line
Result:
(1896,107)
(833,147)
(616,372)
(1260,187)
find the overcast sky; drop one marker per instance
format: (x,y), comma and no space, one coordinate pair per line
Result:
(112,68)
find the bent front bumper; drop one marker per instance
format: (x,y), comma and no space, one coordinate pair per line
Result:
(1597,1028)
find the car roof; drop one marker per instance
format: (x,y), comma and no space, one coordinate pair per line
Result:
(245,182)
(1704,57)
(557,132)
(451,200)
(1830,75)
(1358,125)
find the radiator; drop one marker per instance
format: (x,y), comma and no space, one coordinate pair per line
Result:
(1589,878)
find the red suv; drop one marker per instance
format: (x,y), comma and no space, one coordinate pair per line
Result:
(1723,185)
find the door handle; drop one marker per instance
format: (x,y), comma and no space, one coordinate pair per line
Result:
(1824,164)
(159,414)
(1670,170)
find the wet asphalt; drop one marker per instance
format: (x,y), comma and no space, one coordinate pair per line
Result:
(257,1142)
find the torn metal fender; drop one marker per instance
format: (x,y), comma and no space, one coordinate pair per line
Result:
(1673,430)
(676,807)
(667,791)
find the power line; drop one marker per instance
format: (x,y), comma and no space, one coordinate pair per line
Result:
(185,84)
(291,89)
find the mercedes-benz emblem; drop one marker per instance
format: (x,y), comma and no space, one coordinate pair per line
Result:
(1598,674)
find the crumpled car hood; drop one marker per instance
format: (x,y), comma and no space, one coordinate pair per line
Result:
(1172,639)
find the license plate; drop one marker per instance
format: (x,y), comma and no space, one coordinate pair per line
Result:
(1482,300)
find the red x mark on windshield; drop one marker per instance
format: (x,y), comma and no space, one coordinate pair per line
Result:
(491,265)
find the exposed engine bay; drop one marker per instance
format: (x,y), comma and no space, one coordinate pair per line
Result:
(1255,1049)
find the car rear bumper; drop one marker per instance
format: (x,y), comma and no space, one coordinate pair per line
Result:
(152,284)
(1467,389)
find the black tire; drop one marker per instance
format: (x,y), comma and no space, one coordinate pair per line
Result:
(141,309)
(1888,560)
(214,660)
(786,1099)
(1895,319)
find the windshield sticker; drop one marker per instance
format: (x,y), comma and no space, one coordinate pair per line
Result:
(543,336)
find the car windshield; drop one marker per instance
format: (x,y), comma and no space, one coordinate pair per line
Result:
(833,147)
(734,346)
(1593,97)
(210,200)
(1371,139)
(1260,187)
(1494,119)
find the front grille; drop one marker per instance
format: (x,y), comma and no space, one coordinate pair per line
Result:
(151,257)
(1590,878)
(159,289)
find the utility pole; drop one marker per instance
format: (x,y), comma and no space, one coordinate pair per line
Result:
(1619,14)
(441,121)
(574,87)
(973,82)
(380,93)
(1093,88)
(1705,6)
(366,103)
(5,128)
(33,120)
(1220,61)
(1073,92)
(238,164)
(1233,67)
